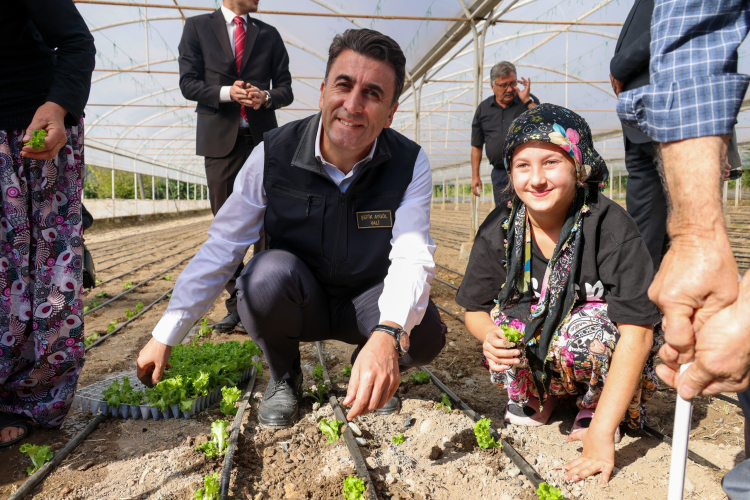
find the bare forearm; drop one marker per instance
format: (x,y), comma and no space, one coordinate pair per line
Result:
(476,159)
(624,373)
(479,323)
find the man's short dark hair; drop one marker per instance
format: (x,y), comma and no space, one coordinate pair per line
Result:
(372,44)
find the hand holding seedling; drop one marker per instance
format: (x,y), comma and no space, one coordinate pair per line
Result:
(375,376)
(152,361)
(499,351)
(598,456)
(50,117)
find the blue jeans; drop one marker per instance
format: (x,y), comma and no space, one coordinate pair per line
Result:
(736,483)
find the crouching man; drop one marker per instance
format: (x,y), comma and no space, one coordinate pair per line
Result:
(345,202)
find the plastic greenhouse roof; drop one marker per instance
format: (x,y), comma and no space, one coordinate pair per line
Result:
(138,120)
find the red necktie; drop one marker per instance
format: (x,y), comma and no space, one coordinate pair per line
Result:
(239,46)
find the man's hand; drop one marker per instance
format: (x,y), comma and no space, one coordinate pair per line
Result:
(256,97)
(598,456)
(238,93)
(500,352)
(476,185)
(375,376)
(523,94)
(152,361)
(722,353)
(49,117)
(616,85)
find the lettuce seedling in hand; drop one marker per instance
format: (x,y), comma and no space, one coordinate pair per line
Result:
(210,490)
(549,492)
(354,488)
(37,139)
(230,395)
(398,438)
(445,402)
(484,438)
(511,333)
(420,377)
(331,428)
(39,455)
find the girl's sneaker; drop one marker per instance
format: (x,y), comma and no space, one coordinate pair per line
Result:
(529,415)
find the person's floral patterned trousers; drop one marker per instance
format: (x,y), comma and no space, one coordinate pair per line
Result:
(41,276)
(580,356)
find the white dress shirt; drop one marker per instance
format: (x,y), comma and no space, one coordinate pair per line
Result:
(229,19)
(237,226)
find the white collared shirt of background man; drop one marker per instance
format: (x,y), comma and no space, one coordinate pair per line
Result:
(236,226)
(229,19)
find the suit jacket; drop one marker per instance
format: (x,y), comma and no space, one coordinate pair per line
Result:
(630,64)
(207,64)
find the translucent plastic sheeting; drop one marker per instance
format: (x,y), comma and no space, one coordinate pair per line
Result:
(137,119)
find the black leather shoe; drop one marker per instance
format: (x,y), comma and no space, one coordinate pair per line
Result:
(281,402)
(391,407)
(239,328)
(229,322)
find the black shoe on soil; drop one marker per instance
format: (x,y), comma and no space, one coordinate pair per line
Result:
(229,322)
(392,406)
(239,328)
(281,402)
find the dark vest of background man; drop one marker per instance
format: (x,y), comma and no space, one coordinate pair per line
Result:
(629,69)
(492,120)
(208,70)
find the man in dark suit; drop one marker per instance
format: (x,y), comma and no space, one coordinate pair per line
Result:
(629,69)
(228,62)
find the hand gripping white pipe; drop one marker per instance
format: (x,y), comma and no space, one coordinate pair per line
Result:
(680,434)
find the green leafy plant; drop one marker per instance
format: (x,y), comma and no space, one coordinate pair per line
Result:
(98,281)
(217,445)
(94,303)
(117,395)
(128,313)
(210,490)
(139,307)
(204,329)
(511,333)
(331,428)
(86,309)
(87,341)
(354,488)
(445,402)
(127,285)
(37,139)
(548,492)
(398,438)
(39,456)
(318,373)
(100,295)
(111,327)
(318,392)
(230,395)
(420,377)
(169,295)
(347,371)
(482,432)
(168,277)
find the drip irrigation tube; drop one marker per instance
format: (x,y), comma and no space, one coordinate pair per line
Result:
(61,455)
(691,454)
(131,256)
(351,444)
(226,469)
(102,244)
(446,311)
(144,265)
(735,402)
(116,297)
(449,269)
(446,283)
(116,330)
(526,468)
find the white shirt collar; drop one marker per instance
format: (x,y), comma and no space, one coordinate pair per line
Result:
(229,15)
(319,155)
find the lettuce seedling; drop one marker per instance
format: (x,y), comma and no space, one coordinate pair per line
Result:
(204,329)
(86,309)
(127,285)
(39,456)
(347,371)
(139,307)
(354,488)
(94,303)
(511,333)
(398,438)
(219,431)
(128,313)
(484,438)
(318,392)
(445,402)
(111,327)
(168,277)
(420,377)
(230,395)
(210,490)
(549,492)
(331,428)
(318,373)
(37,139)
(100,295)
(87,341)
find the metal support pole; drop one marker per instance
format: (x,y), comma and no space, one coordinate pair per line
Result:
(737,192)
(145,24)
(455,191)
(167,190)
(566,68)
(113,186)
(443,207)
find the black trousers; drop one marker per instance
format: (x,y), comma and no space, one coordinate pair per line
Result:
(645,197)
(500,181)
(220,175)
(281,304)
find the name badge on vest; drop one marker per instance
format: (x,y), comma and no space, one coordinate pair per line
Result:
(374,219)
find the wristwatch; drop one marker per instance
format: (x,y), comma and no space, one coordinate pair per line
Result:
(401,337)
(268,98)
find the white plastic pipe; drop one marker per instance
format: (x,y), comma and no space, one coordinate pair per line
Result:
(680,433)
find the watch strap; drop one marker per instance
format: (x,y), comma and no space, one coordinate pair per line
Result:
(393,332)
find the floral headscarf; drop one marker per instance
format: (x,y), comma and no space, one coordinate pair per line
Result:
(542,320)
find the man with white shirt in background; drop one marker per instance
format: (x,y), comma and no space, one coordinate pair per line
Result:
(345,201)
(228,63)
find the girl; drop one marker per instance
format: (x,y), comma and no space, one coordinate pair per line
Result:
(572,273)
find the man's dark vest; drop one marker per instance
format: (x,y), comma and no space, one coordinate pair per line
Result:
(310,217)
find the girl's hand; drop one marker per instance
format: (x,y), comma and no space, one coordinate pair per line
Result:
(499,351)
(598,456)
